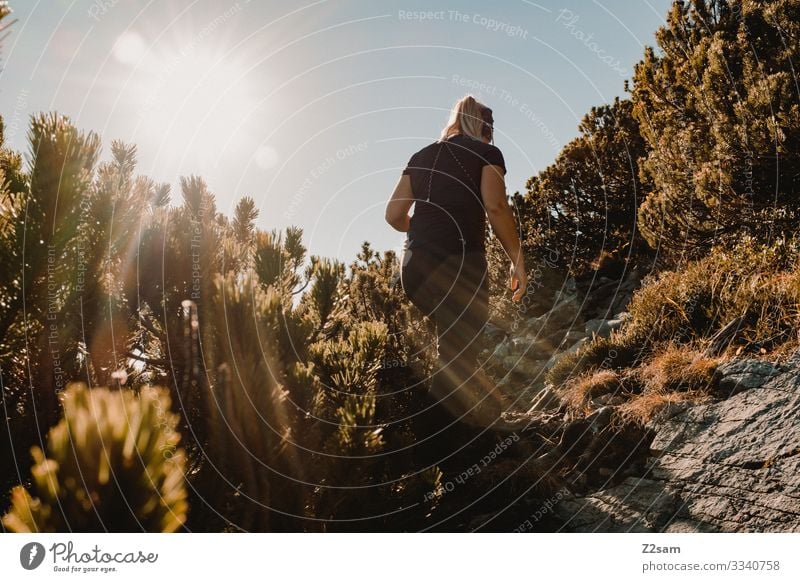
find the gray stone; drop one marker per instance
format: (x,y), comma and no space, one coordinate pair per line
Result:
(502,351)
(668,411)
(745,374)
(603,327)
(572,349)
(608,400)
(567,290)
(571,337)
(519,344)
(622,300)
(592,325)
(530,369)
(727,466)
(793,361)
(542,349)
(600,418)
(563,314)
(494,332)
(635,505)
(511,362)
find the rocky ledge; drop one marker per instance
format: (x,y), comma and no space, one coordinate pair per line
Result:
(726,466)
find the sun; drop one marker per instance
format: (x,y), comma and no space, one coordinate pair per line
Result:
(190,102)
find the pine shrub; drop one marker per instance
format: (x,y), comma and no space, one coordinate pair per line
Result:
(112,464)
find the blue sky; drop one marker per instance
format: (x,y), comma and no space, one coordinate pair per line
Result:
(313,108)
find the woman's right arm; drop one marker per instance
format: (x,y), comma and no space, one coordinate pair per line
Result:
(493,192)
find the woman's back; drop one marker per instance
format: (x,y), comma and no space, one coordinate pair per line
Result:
(449,215)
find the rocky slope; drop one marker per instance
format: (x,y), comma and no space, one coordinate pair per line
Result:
(731,464)
(570,316)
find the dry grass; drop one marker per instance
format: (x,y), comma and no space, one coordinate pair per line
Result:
(612,353)
(656,356)
(761,283)
(678,368)
(643,408)
(577,393)
(676,373)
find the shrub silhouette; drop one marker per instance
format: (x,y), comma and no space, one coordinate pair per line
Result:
(112,464)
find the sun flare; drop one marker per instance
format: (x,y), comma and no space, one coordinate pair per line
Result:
(190,102)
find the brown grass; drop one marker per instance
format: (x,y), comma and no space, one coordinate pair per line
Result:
(656,358)
(678,368)
(577,392)
(642,409)
(761,283)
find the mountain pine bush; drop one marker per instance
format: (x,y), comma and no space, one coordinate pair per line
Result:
(717,107)
(112,464)
(583,206)
(281,368)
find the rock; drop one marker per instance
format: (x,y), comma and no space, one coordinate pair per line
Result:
(600,418)
(511,362)
(668,411)
(568,289)
(572,349)
(502,351)
(592,325)
(544,348)
(571,337)
(793,361)
(635,505)
(563,314)
(737,462)
(622,301)
(534,326)
(530,369)
(495,333)
(519,344)
(603,327)
(527,348)
(604,291)
(738,375)
(727,466)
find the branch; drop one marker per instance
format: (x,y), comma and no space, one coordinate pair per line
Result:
(150,361)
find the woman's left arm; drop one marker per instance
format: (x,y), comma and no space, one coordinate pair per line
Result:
(399,204)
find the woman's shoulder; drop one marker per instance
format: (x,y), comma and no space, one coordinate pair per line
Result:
(487,153)
(427,149)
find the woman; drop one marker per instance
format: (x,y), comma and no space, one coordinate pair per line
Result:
(455,183)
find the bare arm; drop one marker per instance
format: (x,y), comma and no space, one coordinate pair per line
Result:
(493,192)
(399,204)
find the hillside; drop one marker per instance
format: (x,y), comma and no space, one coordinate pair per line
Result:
(216,377)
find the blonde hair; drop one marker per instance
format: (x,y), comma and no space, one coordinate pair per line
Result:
(467,117)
